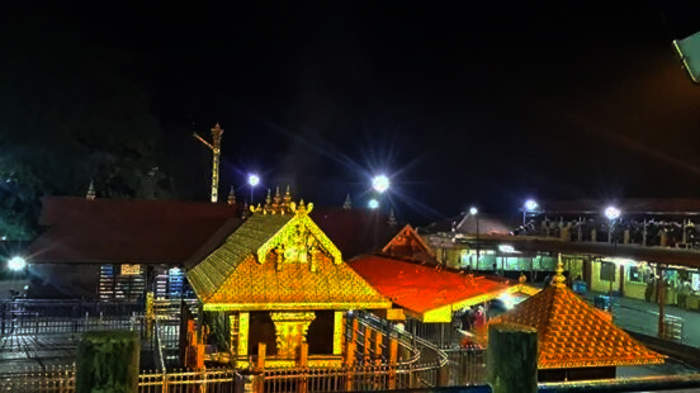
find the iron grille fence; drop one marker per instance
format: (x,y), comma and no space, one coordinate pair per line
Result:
(61,379)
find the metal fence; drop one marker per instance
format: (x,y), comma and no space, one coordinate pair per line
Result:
(61,379)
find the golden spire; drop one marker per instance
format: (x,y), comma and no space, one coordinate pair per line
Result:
(277,199)
(559,280)
(268,199)
(215,147)
(231,200)
(91,191)
(347,205)
(244,212)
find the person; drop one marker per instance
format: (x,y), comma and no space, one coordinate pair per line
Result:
(479,318)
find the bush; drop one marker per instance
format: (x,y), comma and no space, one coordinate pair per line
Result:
(108,362)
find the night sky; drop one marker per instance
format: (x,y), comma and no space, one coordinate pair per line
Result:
(459,105)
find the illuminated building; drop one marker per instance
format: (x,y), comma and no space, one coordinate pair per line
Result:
(279,280)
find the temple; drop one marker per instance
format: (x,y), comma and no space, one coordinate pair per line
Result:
(278,280)
(430,296)
(575,340)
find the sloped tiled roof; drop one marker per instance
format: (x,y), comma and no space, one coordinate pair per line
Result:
(242,274)
(255,286)
(571,333)
(207,276)
(421,288)
(79,230)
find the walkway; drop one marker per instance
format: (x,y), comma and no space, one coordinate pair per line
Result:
(643,317)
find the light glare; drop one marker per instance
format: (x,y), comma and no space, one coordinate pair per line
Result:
(16,263)
(612,213)
(253,180)
(531,205)
(381,183)
(373,204)
(473,211)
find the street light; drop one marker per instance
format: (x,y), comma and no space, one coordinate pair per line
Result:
(612,213)
(528,207)
(373,204)
(253,180)
(16,263)
(380,183)
(475,212)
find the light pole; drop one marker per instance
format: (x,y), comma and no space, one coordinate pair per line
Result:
(528,207)
(612,213)
(253,180)
(475,212)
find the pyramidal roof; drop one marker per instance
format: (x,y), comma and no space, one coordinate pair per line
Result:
(571,333)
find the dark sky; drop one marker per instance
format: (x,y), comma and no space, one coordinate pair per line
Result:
(476,104)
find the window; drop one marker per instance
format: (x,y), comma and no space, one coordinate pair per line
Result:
(637,274)
(607,271)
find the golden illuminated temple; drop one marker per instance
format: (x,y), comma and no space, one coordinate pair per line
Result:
(278,280)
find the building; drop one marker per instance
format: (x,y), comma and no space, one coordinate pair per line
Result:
(430,296)
(280,281)
(117,249)
(575,340)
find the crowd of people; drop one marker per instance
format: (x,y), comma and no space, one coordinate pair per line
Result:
(651,232)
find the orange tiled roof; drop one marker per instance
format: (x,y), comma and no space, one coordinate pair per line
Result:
(571,333)
(421,288)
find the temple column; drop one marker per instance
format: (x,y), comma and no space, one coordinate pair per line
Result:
(338,332)
(243,328)
(290,331)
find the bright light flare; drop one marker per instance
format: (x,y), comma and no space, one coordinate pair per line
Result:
(16,263)
(531,205)
(380,183)
(473,211)
(507,300)
(373,204)
(612,213)
(506,248)
(253,180)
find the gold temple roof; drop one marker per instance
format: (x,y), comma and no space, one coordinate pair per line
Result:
(280,261)
(571,333)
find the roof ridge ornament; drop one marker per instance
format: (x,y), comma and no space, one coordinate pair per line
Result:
(91,195)
(559,281)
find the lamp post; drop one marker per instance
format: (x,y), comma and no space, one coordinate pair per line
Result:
(475,212)
(612,213)
(528,207)
(253,180)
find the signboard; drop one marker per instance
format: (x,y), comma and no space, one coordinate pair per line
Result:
(688,50)
(696,282)
(130,270)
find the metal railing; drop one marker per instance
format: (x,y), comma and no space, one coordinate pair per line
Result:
(61,379)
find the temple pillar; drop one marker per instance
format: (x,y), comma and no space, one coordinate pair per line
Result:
(338,332)
(243,328)
(291,329)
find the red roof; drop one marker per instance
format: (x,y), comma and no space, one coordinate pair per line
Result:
(354,231)
(420,288)
(126,230)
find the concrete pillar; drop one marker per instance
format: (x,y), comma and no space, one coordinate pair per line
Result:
(512,358)
(594,237)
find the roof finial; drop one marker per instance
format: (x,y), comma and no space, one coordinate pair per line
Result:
(347,205)
(392,218)
(91,191)
(231,200)
(244,213)
(559,280)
